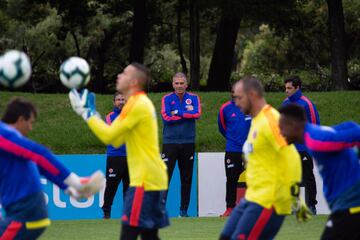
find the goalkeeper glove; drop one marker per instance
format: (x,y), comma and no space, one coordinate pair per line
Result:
(299,207)
(80,188)
(83,103)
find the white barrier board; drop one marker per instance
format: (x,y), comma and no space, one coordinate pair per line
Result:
(212,183)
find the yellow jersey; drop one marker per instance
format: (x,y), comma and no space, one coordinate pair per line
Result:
(272,165)
(137,127)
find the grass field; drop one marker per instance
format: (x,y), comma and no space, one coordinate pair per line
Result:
(59,128)
(180,229)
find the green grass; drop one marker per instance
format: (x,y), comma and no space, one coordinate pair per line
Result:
(181,228)
(59,128)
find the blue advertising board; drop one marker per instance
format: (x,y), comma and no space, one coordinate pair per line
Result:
(62,207)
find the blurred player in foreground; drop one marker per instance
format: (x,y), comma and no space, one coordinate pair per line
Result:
(338,164)
(272,168)
(21,163)
(144,207)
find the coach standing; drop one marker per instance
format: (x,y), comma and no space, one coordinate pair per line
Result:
(293,91)
(234,126)
(179,111)
(116,165)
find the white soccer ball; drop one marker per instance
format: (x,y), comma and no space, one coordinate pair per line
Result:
(75,73)
(15,69)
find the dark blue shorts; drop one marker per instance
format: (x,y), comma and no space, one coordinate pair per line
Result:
(145,209)
(249,220)
(25,219)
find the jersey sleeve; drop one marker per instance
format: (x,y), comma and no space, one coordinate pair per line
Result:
(115,133)
(45,160)
(222,122)
(328,139)
(346,125)
(195,112)
(166,111)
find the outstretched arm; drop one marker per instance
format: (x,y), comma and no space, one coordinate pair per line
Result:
(331,139)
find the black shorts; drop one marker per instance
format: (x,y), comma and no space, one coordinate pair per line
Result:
(342,225)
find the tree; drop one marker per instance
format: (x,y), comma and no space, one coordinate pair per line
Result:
(194,45)
(139,30)
(224,50)
(339,73)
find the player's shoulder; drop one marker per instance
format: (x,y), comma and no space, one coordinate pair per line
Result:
(193,95)
(225,105)
(168,95)
(270,115)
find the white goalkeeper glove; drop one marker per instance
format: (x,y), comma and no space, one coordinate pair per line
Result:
(80,188)
(83,103)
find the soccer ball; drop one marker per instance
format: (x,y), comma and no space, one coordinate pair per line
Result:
(75,73)
(15,69)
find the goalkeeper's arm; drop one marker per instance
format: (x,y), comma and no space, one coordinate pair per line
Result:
(299,207)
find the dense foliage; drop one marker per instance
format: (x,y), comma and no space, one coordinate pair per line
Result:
(274,39)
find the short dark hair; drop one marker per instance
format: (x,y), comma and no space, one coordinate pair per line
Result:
(116,94)
(252,83)
(295,80)
(143,74)
(18,107)
(293,111)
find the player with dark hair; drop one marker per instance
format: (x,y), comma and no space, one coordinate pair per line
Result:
(144,207)
(273,167)
(338,164)
(293,91)
(22,161)
(116,165)
(234,126)
(180,110)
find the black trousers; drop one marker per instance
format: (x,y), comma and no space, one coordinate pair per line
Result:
(233,169)
(116,171)
(131,233)
(184,154)
(308,178)
(342,225)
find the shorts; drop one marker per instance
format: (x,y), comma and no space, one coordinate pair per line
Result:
(25,219)
(145,209)
(342,225)
(249,220)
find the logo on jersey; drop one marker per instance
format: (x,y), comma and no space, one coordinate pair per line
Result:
(233,115)
(254,134)
(111,170)
(188,101)
(228,161)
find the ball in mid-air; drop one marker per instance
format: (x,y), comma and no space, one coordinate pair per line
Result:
(15,69)
(75,73)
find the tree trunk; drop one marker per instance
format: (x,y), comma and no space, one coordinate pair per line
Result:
(224,50)
(138,32)
(194,45)
(339,73)
(73,34)
(178,36)
(97,53)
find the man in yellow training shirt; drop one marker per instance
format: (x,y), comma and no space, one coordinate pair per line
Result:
(272,168)
(144,207)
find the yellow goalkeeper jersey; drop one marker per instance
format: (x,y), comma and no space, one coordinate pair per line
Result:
(272,165)
(137,127)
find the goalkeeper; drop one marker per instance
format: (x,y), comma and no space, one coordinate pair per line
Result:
(272,168)
(338,164)
(144,206)
(21,163)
